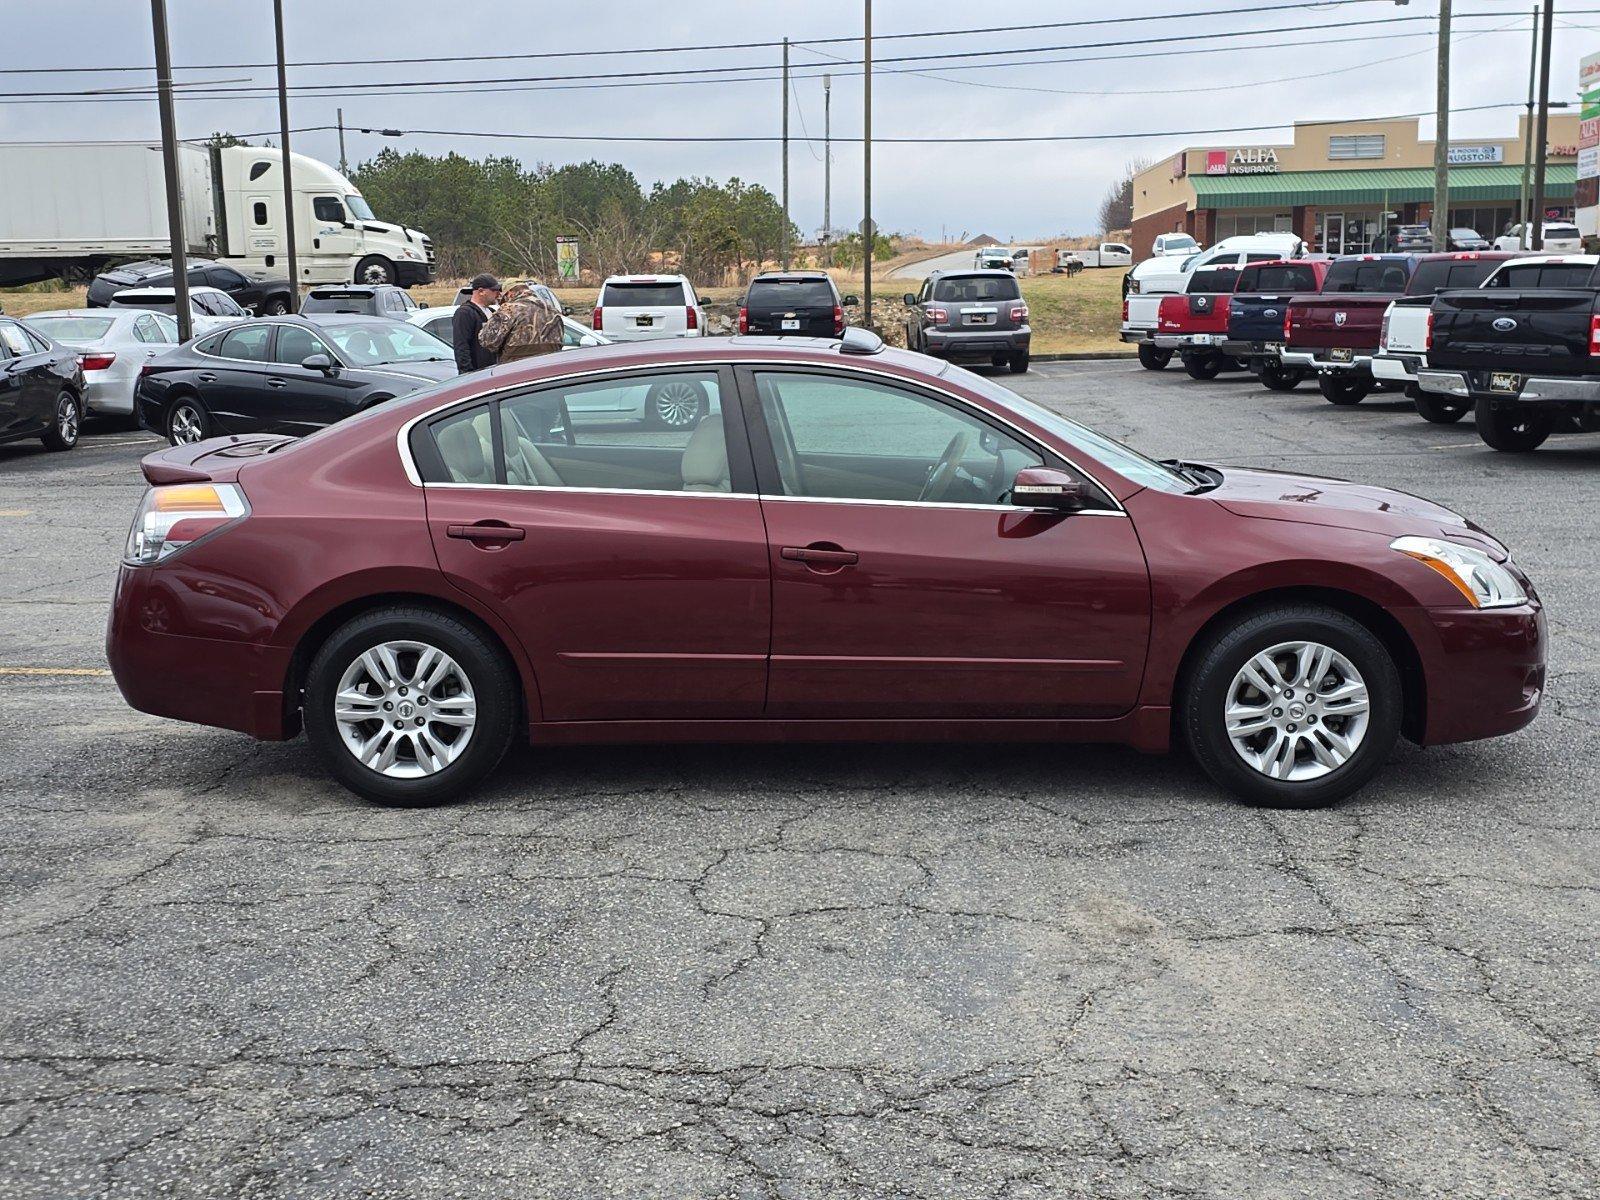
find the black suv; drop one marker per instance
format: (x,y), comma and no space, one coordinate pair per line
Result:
(972,315)
(798,303)
(264,297)
(367,299)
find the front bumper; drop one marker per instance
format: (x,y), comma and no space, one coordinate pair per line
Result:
(1308,360)
(1484,669)
(978,344)
(1397,368)
(1536,389)
(409,273)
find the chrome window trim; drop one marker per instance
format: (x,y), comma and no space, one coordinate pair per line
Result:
(403,435)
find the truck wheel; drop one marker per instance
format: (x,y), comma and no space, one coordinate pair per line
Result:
(1201,366)
(1281,378)
(1340,389)
(1152,359)
(277,306)
(1514,429)
(1437,409)
(374,269)
(1019,362)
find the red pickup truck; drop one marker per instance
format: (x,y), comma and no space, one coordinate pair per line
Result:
(1195,322)
(1336,332)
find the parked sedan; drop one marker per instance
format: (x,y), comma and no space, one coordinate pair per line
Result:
(113,345)
(41,388)
(286,375)
(863,544)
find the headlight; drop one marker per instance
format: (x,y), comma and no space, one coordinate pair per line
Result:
(178,515)
(1484,582)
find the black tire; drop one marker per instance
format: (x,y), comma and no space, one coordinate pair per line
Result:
(1280,378)
(1217,663)
(275,306)
(1153,359)
(187,415)
(1344,389)
(1019,362)
(374,269)
(676,404)
(1437,409)
(66,420)
(1514,429)
(1201,366)
(485,665)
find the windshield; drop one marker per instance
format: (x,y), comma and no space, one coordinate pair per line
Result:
(1181,242)
(372,343)
(359,208)
(72,329)
(1130,464)
(976,288)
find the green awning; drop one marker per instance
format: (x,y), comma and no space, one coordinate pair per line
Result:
(1382,185)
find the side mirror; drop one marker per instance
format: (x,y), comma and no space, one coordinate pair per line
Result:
(319,362)
(910,298)
(849,301)
(1047,488)
(424,304)
(566,310)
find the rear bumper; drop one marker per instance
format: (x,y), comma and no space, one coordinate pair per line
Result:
(1397,368)
(648,335)
(1484,670)
(1308,360)
(1248,351)
(1189,341)
(109,396)
(978,344)
(1136,333)
(1537,389)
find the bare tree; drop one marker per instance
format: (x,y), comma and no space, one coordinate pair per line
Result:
(1116,210)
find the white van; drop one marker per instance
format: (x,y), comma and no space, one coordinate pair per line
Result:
(641,308)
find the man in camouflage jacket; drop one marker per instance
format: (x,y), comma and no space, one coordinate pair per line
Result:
(523,326)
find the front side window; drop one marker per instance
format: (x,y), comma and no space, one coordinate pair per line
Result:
(248,343)
(167,326)
(296,343)
(327,208)
(853,439)
(227,278)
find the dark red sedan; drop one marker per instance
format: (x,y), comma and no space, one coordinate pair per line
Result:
(854,543)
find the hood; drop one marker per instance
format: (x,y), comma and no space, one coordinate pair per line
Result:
(415,372)
(1312,500)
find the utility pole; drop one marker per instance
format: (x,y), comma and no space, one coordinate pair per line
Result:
(786,221)
(1441,137)
(827,159)
(1544,127)
(344,167)
(1527,128)
(868,234)
(169,160)
(288,180)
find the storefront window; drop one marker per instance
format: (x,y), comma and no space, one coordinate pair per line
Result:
(1247,224)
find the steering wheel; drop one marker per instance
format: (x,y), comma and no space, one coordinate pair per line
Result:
(944,471)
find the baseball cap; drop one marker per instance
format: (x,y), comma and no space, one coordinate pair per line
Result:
(484,281)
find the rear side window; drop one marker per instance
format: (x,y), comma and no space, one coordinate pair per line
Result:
(789,293)
(1543,275)
(643,295)
(977,288)
(15,339)
(249,343)
(1359,276)
(1438,276)
(1213,280)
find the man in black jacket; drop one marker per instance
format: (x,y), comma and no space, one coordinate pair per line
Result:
(470,318)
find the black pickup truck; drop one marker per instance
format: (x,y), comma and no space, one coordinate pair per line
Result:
(1524,349)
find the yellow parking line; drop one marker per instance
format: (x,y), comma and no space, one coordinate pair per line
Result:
(16,512)
(53,671)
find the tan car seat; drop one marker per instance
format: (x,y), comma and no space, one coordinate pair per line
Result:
(705,459)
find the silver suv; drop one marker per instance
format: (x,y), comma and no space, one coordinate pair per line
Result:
(970,315)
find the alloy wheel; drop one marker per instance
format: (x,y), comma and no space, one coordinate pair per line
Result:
(677,404)
(1297,711)
(186,425)
(67,419)
(405,709)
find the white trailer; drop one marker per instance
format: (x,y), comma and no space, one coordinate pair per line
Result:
(70,209)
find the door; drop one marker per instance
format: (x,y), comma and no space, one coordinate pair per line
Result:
(300,399)
(630,563)
(233,384)
(27,385)
(334,232)
(905,585)
(261,239)
(1333,233)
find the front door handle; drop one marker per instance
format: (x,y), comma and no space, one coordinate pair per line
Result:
(274,381)
(487,531)
(821,554)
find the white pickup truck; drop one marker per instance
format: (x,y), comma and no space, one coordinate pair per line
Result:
(1560,237)
(1403,342)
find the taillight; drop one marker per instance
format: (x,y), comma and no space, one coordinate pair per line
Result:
(1019,313)
(1427,336)
(936,316)
(179,515)
(1594,334)
(1124,311)
(1286,313)
(691,320)
(744,320)
(597,311)
(1383,330)
(838,321)
(96,362)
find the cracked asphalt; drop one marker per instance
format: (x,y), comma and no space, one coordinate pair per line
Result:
(751,972)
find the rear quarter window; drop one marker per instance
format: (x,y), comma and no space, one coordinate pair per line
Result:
(643,295)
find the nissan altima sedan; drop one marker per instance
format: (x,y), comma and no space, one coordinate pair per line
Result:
(857,545)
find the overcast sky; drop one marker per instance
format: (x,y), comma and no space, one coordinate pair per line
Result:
(1012,191)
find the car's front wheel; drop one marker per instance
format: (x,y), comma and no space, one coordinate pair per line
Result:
(410,706)
(676,404)
(374,269)
(1435,408)
(1152,358)
(1293,706)
(65,422)
(1344,389)
(1516,429)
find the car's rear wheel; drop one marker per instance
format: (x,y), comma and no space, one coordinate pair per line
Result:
(65,422)
(187,422)
(1152,359)
(277,306)
(1202,366)
(1281,378)
(1019,362)
(676,403)
(1514,428)
(1344,389)
(410,706)
(1294,706)
(1431,407)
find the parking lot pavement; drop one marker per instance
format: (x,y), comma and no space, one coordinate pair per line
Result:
(803,972)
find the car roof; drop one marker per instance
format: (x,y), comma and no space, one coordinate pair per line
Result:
(970,273)
(348,289)
(780,276)
(647,279)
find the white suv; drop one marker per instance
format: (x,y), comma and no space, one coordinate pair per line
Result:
(641,308)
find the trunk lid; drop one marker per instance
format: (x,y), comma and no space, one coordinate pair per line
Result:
(1258,318)
(1533,332)
(216,460)
(1351,321)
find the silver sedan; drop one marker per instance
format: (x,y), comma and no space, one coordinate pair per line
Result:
(112,345)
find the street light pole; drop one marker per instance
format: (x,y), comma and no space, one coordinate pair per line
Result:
(288,174)
(1527,128)
(1544,127)
(827,164)
(344,167)
(1441,137)
(868,234)
(169,160)
(786,221)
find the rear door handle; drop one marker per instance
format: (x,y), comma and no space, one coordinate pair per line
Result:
(825,556)
(487,531)
(206,377)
